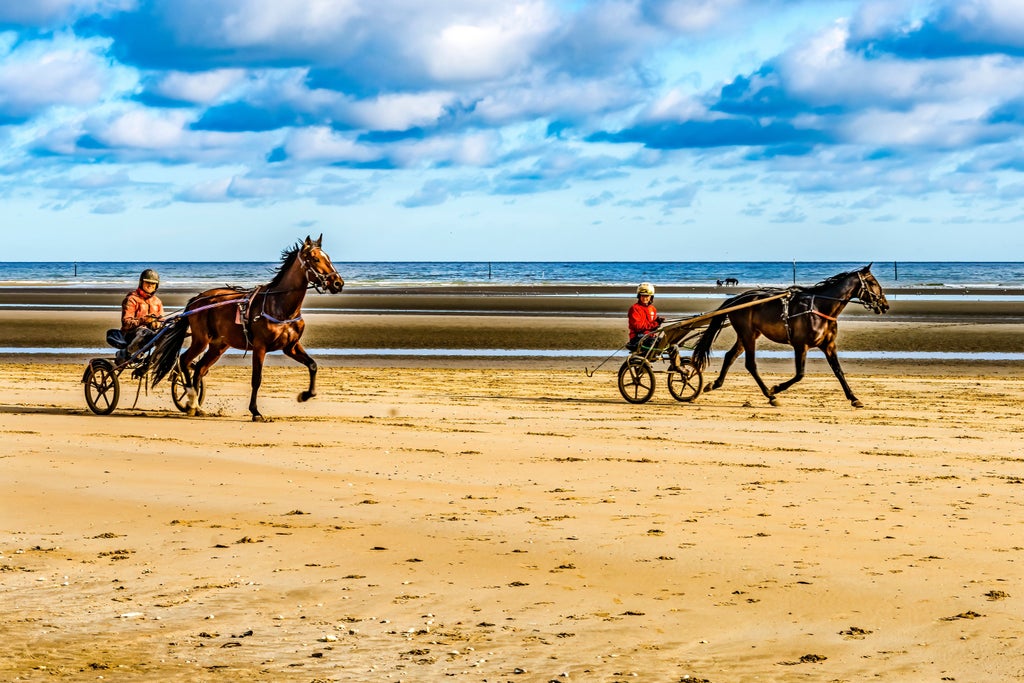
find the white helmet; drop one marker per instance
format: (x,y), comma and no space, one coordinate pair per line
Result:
(645,288)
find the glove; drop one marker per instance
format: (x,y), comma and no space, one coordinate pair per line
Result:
(659,320)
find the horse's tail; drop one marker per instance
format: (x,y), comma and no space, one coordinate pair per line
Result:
(165,353)
(702,349)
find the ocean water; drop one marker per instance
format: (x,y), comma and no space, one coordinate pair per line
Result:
(200,275)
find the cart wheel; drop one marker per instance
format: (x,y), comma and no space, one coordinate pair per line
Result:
(636,380)
(179,390)
(101,387)
(685,386)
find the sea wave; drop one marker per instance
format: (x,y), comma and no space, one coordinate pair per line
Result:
(202,275)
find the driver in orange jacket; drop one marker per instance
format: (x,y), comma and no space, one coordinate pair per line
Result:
(142,308)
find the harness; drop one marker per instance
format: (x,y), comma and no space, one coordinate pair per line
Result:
(246,316)
(866,297)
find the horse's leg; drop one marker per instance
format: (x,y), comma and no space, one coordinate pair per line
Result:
(730,356)
(833,362)
(751,364)
(212,355)
(259,354)
(185,361)
(296,352)
(800,362)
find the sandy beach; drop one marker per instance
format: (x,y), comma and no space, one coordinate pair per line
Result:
(487,519)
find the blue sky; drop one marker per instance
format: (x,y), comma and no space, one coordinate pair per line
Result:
(518,130)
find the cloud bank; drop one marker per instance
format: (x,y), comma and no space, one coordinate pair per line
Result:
(343,102)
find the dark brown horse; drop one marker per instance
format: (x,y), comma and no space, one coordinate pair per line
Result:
(267,318)
(805,319)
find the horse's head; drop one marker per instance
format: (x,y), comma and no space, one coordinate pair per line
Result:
(318,267)
(870,293)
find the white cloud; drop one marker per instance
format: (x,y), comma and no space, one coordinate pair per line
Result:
(823,72)
(322,145)
(305,25)
(480,149)
(490,46)
(39,74)
(933,126)
(242,187)
(206,191)
(692,16)
(52,12)
(263,22)
(398,111)
(144,129)
(205,87)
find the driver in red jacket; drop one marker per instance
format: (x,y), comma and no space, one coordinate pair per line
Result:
(644,319)
(643,316)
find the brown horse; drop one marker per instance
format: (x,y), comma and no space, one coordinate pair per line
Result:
(804,319)
(267,318)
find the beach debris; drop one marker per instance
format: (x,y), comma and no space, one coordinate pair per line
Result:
(970,614)
(805,659)
(855,632)
(130,615)
(114,555)
(997,595)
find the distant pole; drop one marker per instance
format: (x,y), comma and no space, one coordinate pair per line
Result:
(794,272)
(488,270)
(895,271)
(76,268)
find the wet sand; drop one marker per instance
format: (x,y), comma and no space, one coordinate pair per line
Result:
(500,520)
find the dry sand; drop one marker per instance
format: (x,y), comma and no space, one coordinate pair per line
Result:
(502,524)
(492,520)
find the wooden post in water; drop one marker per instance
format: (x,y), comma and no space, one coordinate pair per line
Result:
(488,270)
(895,271)
(794,272)
(76,268)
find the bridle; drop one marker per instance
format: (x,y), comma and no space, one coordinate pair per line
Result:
(867,298)
(317,279)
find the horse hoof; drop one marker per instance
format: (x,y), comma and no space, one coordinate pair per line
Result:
(305,396)
(261,418)
(773,401)
(856,403)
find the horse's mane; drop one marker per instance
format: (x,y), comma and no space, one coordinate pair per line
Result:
(835,279)
(288,257)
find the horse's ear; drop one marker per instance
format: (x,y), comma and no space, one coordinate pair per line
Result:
(867,268)
(320,240)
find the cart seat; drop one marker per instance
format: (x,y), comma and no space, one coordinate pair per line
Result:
(116,339)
